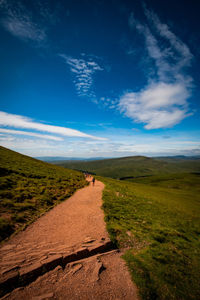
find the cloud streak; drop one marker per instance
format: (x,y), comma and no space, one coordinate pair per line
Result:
(20,132)
(184,54)
(122,143)
(19,121)
(19,22)
(83,71)
(164,101)
(23,28)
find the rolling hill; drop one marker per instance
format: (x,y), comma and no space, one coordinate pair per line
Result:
(133,166)
(29,188)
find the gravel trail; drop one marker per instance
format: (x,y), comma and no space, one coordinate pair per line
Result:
(77,223)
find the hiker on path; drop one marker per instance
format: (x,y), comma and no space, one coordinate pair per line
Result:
(93,180)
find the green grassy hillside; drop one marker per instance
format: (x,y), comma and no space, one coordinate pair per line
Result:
(186,181)
(132,166)
(29,187)
(157,221)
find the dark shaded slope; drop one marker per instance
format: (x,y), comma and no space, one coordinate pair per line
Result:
(29,187)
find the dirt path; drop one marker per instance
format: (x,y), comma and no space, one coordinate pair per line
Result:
(65,255)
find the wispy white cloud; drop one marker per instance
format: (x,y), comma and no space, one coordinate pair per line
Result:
(163,102)
(120,143)
(170,60)
(20,23)
(19,121)
(83,71)
(32,147)
(20,132)
(184,54)
(23,28)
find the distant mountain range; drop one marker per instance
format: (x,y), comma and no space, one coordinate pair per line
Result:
(62,158)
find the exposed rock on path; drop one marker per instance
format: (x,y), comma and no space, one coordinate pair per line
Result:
(66,254)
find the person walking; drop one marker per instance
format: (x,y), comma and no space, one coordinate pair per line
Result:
(93,181)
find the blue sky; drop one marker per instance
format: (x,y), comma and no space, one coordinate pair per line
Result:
(88,78)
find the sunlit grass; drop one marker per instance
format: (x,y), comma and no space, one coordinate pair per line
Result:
(160,228)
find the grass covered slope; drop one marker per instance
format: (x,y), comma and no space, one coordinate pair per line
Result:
(185,181)
(29,187)
(132,166)
(158,222)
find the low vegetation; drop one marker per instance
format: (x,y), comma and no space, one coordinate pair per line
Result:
(29,188)
(134,166)
(156,220)
(152,212)
(185,181)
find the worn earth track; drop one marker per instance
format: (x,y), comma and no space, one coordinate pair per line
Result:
(66,254)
